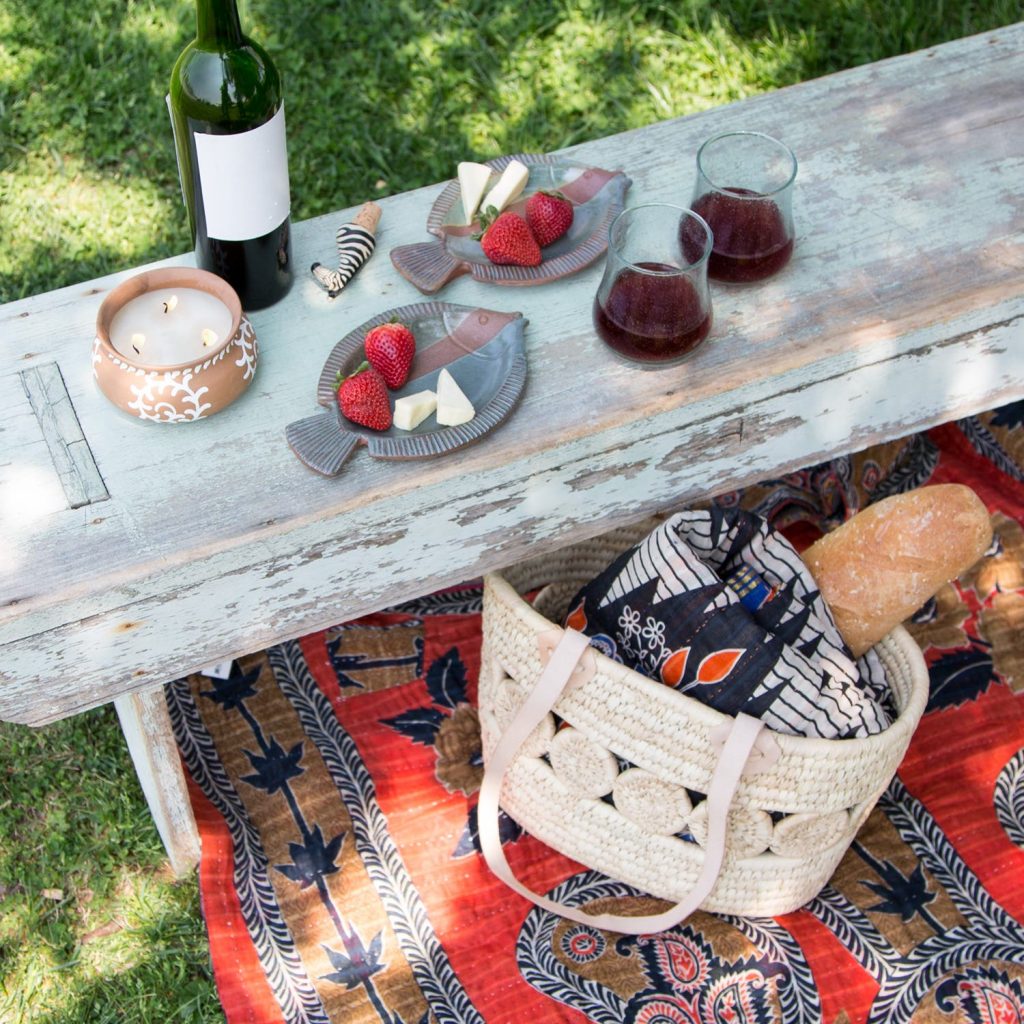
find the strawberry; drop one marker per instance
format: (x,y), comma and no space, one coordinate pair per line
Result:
(390,348)
(363,398)
(549,215)
(509,240)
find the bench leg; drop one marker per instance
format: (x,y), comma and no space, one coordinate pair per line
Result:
(147,728)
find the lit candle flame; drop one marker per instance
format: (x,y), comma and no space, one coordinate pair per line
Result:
(209,337)
(138,340)
(170,303)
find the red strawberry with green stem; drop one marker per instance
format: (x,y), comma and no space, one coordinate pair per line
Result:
(509,241)
(390,348)
(363,398)
(549,215)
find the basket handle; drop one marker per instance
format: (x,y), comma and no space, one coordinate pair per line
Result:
(555,678)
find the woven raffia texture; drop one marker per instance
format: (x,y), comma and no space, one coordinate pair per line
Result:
(617,781)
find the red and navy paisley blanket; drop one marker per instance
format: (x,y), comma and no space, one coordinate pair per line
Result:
(335,778)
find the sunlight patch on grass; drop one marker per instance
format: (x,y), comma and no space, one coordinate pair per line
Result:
(595,74)
(157,24)
(119,929)
(11,63)
(32,983)
(62,211)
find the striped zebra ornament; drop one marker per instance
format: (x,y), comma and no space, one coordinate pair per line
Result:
(356,242)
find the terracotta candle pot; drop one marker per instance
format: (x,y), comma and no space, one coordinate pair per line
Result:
(173,345)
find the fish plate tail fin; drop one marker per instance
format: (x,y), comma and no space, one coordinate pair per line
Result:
(320,443)
(427,265)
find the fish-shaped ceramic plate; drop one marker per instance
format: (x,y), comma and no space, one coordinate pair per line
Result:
(481,348)
(597,195)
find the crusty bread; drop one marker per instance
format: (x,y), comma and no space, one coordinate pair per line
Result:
(881,565)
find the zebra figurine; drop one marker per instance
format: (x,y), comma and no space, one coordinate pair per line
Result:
(356,242)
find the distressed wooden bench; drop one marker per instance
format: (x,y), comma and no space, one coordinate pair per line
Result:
(135,553)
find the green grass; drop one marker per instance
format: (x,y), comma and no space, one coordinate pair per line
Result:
(93,927)
(380,98)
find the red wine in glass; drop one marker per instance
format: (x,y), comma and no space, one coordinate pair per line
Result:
(656,317)
(751,239)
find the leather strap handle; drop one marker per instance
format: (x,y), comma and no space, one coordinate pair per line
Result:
(555,678)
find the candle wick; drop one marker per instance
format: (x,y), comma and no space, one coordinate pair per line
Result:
(170,303)
(138,340)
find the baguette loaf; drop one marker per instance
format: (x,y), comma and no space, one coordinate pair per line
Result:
(881,565)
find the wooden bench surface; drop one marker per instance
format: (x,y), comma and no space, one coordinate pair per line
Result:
(133,553)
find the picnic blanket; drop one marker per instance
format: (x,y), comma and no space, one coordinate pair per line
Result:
(334,780)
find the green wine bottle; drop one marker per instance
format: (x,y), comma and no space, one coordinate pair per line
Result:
(228,117)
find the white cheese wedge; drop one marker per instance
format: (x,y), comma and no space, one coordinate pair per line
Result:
(510,185)
(473,179)
(453,407)
(412,410)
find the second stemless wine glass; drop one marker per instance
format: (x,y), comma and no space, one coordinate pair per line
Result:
(744,190)
(653,306)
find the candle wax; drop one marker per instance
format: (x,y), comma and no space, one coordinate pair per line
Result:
(171,337)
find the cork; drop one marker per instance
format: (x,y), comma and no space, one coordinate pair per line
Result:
(368,217)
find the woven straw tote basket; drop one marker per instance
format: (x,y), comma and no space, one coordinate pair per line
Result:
(763,844)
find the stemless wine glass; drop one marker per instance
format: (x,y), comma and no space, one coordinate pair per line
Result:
(744,191)
(653,306)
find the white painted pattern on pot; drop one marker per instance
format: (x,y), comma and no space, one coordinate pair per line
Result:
(178,395)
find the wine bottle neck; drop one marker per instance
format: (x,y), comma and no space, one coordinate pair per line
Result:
(217,23)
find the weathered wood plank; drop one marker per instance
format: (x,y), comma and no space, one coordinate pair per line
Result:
(357,564)
(901,309)
(146,725)
(62,432)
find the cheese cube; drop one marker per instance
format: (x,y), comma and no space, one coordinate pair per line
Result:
(510,185)
(412,410)
(453,407)
(473,179)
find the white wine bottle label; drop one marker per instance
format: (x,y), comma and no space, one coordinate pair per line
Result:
(244,181)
